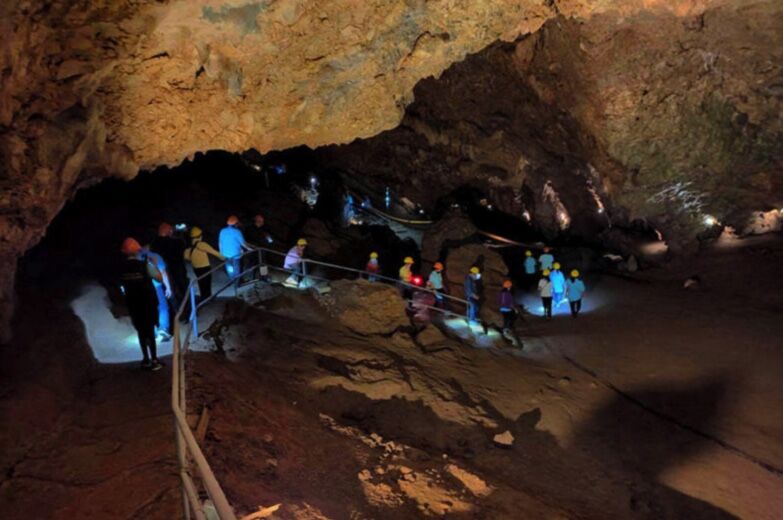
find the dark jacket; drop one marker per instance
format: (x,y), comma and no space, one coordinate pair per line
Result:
(506,299)
(472,288)
(140,296)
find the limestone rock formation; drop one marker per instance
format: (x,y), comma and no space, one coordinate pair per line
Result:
(366,308)
(666,106)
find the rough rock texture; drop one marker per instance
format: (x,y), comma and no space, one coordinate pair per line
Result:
(450,229)
(627,94)
(365,307)
(654,115)
(493,272)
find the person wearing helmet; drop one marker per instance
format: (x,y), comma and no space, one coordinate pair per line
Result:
(372,267)
(435,282)
(198,255)
(171,248)
(546,259)
(530,269)
(473,292)
(558,284)
(293,263)
(575,289)
(506,303)
(406,277)
(164,291)
(545,291)
(136,281)
(231,243)
(257,236)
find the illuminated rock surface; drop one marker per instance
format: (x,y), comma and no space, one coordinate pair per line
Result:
(669,106)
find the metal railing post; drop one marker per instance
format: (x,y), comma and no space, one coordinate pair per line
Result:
(193,313)
(304,271)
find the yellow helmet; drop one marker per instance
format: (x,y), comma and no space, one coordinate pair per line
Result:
(408,260)
(195,232)
(575,273)
(556,265)
(528,253)
(546,272)
(301,242)
(373,255)
(474,270)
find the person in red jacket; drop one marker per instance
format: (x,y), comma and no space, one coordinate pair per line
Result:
(373,268)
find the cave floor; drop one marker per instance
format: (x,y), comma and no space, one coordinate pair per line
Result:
(656,403)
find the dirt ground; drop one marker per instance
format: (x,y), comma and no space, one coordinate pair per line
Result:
(656,403)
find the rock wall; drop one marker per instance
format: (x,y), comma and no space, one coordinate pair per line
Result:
(658,115)
(106,87)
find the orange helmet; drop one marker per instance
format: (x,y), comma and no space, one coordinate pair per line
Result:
(165,229)
(438,266)
(130,246)
(507,284)
(233,220)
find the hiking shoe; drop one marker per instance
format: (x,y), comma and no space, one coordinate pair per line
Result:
(164,336)
(156,365)
(145,364)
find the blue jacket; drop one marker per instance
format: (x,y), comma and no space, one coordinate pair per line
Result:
(230,242)
(575,289)
(530,265)
(472,288)
(558,281)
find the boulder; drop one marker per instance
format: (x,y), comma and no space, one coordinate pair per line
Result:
(366,308)
(453,227)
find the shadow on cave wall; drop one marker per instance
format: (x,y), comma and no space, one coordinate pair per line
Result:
(621,451)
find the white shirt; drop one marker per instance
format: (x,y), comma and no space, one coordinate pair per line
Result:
(545,288)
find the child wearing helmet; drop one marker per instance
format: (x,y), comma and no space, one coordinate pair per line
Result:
(575,289)
(406,277)
(530,269)
(506,303)
(473,292)
(558,280)
(293,262)
(545,291)
(198,255)
(372,267)
(435,282)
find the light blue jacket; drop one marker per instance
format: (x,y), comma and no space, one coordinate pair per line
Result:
(530,265)
(575,289)
(546,260)
(558,281)
(231,242)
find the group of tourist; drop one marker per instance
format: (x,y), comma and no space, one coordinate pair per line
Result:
(155,281)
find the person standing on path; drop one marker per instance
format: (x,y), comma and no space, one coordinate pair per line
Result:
(575,290)
(136,281)
(545,291)
(198,255)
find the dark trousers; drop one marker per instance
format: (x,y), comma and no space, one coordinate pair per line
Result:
(508,319)
(547,301)
(576,306)
(145,328)
(204,284)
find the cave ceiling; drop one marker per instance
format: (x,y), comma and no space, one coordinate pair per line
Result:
(663,107)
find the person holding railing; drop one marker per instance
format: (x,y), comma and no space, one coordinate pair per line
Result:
(257,236)
(406,278)
(231,243)
(294,263)
(435,282)
(198,255)
(473,292)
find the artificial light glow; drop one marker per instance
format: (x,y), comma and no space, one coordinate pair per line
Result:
(526,215)
(710,221)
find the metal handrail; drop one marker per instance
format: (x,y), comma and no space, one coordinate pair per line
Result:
(187,445)
(365,273)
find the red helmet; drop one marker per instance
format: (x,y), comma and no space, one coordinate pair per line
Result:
(233,220)
(165,229)
(130,246)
